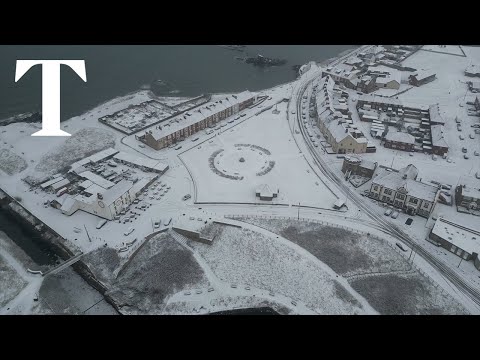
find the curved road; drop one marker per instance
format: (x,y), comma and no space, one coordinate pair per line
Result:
(440,266)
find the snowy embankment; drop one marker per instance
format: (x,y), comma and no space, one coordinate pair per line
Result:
(366,262)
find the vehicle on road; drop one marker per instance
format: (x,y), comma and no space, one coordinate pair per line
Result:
(141,145)
(394,215)
(461,137)
(466,157)
(476,153)
(388,212)
(195,139)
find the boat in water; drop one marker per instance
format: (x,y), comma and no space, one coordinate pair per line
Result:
(263,61)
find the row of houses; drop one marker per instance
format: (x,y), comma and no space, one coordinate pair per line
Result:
(191,122)
(402,190)
(342,137)
(431,134)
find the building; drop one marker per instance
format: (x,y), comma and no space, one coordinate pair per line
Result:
(144,164)
(467,193)
(399,141)
(434,115)
(390,80)
(108,203)
(342,137)
(93,159)
(439,143)
(421,77)
(460,239)
(474,86)
(473,70)
(354,165)
(264,192)
(193,121)
(403,191)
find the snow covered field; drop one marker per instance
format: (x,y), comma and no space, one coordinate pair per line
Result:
(366,262)
(290,174)
(245,257)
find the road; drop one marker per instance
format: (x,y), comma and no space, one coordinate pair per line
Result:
(444,269)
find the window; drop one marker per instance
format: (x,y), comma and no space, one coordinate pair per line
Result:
(400,196)
(426,204)
(413,200)
(384,198)
(387,191)
(375,188)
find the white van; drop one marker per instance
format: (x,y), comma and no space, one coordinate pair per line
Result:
(101,223)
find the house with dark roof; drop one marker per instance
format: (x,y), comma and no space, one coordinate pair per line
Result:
(421,77)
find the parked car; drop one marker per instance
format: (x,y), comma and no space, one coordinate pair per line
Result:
(476,153)
(186,197)
(178,147)
(461,137)
(388,212)
(471,136)
(394,215)
(464,149)
(129,231)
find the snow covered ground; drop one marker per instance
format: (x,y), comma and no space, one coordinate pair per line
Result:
(291,174)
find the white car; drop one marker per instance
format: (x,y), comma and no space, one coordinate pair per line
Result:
(129,231)
(394,215)
(388,212)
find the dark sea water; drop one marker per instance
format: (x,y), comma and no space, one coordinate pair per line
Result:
(116,70)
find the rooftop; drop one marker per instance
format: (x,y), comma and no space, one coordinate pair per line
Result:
(400,137)
(193,116)
(462,236)
(438,136)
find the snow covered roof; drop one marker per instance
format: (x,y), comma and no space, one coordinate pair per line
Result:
(265,191)
(393,75)
(116,191)
(473,69)
(470,186)
(140,161)
(438,136)
(68,204)
(400,137)
(48,183)
(405,179)
(60,184)
(381,100)
(434,113)
(462,236)
(422,74)
(182,121)
(96,179)
(99,156)
(94,189)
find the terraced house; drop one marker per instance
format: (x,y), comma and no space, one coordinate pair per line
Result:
(193,121)
(403,191)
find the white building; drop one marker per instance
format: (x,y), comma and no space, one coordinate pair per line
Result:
(108,203)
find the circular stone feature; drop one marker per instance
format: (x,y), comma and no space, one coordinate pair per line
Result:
(241,161)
